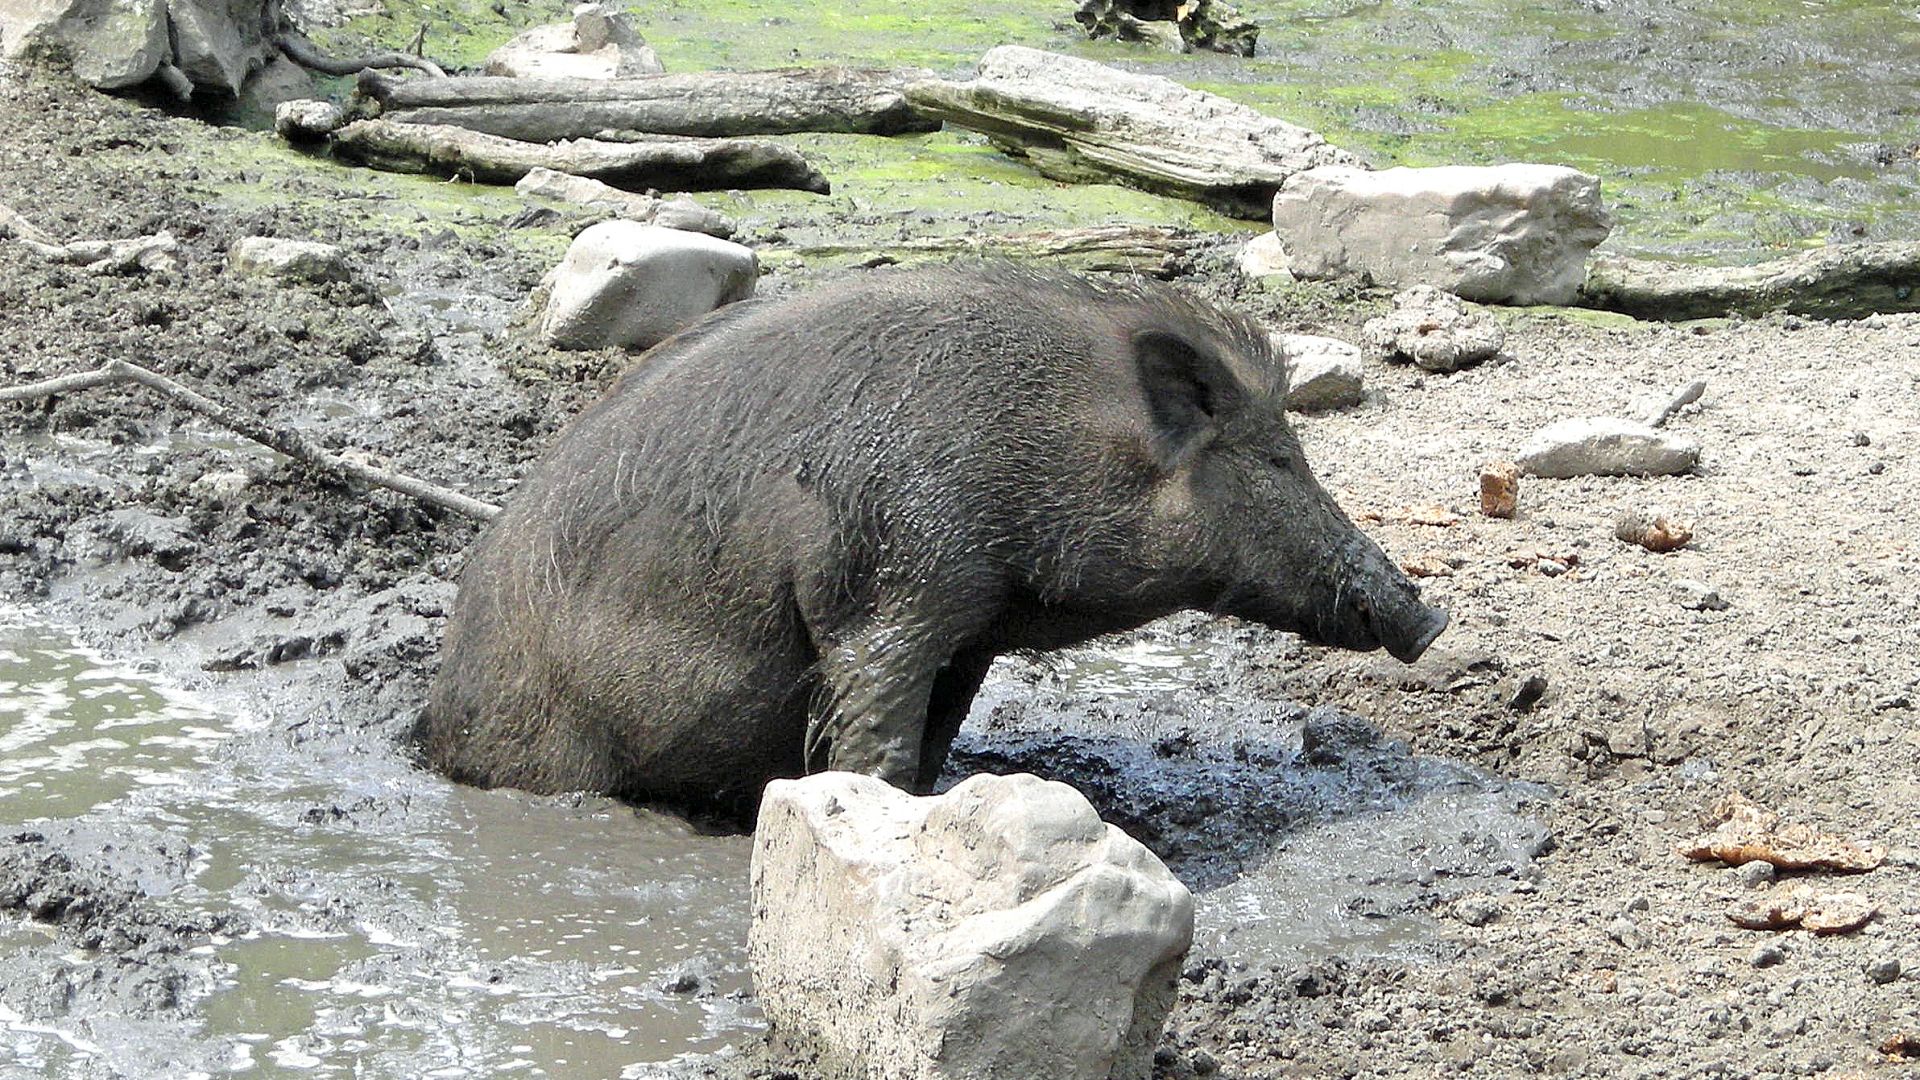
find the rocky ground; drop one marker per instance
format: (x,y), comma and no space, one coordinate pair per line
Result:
(1773,656)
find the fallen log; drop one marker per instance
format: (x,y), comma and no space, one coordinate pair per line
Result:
(1082,122)
(1845,282)
(1149,250)
(664,163)
(715,104)
(285,440)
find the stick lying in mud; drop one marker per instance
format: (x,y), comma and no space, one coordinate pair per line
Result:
(286,441)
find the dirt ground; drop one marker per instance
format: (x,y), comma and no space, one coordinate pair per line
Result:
(1606,955)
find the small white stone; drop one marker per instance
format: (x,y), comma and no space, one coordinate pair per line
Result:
(1435,330)
(1322,372)
(1606,446)
(306,120)
(294,260)
(998,930)
(1264,256)
(631,285)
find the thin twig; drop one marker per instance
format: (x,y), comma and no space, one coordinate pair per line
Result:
(308,55)
(285,440)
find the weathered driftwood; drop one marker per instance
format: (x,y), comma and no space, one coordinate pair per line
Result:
(1150,250)
(97,256)
(676,213)
(1837,283)
(1083,122)
(713,104)
(286,440)
(665,163)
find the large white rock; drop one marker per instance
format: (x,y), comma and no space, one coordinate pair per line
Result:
(1508,234)
(1322,372)
(598,44)
(110,44)
(631,285)
(1001,931)
(1606,446)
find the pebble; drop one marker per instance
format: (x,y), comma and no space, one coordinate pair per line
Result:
(1322,372)
(1767,954)
(1476,910)
(1699,596)
(1626,932)
(1883,969)
(1756,874)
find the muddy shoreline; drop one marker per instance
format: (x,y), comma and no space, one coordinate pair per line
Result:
(1500,892)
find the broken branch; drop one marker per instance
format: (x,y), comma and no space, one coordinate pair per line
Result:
(285,440)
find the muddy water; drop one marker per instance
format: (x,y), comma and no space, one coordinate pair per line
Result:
(389,924)
(397,926)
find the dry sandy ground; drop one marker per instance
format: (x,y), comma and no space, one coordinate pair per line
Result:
(1610,956)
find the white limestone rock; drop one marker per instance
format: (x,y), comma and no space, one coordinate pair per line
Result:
(109,44)
(1322,373)
(1606,446)
(293,260)
(1435,330)
(631,285)
(1506,234)
(1001,931)
(598,44)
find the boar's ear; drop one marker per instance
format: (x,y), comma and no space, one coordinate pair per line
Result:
(1187,391)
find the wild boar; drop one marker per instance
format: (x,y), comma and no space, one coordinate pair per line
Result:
(794,536)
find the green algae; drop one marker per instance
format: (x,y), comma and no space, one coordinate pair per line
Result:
(1711,139)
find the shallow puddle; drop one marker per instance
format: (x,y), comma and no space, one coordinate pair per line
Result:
(390,924)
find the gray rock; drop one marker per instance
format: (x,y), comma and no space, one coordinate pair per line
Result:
(675,213)
(631,285)
(1767,954)
(1476,909)
(1606,446)
(1322,372)
(109,44)
(218,43)
(1435,330)
(278,83)
(1508,234)
(598,44)
(999,930)
(306,121)
(1699,596)
(293,260)
(1757,874)
(1883,969)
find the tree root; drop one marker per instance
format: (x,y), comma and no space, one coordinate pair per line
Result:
(308,55)
(285,440)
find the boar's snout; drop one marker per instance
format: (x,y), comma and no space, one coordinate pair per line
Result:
(1406,634)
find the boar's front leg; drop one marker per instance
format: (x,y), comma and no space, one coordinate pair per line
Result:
(870,715)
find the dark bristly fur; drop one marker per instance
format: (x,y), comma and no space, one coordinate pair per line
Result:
(795,535)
